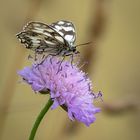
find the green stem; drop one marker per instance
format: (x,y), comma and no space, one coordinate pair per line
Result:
(39,118)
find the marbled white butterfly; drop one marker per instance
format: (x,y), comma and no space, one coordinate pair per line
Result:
(55,39)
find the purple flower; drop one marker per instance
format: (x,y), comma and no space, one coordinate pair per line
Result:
(69,87)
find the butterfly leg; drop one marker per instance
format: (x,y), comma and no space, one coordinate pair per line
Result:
(35,59)
(30,57)
(59,67)
(44,58)
(72,59)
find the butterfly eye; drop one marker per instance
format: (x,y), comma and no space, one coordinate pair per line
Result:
(74,49)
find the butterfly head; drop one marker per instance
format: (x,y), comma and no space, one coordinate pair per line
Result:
(74,50)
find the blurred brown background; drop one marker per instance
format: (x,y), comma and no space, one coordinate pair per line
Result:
(114,68)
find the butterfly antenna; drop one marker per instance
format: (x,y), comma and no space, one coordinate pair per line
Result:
(84,44)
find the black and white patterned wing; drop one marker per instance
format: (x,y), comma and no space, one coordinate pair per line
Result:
(65,29)
(41,38)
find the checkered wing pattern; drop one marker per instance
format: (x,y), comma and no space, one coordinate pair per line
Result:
(65,29)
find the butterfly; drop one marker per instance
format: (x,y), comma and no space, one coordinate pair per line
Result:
(55,39)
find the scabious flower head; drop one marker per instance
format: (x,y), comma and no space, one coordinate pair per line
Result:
(68,87)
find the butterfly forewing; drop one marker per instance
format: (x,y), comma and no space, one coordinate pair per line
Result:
(65,29)
(41,37)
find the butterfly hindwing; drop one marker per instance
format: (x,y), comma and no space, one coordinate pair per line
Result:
(65,29)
